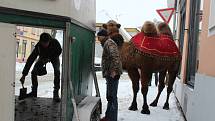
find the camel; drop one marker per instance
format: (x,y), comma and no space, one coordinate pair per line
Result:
(134,59)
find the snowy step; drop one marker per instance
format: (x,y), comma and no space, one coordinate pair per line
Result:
(87,108)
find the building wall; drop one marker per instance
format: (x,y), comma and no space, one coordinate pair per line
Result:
(197,103)
(132,31)
(185,46)
(79,10)
(206,53)
(7,69)
(29,35)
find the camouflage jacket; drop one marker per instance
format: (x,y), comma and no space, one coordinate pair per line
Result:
(111,59)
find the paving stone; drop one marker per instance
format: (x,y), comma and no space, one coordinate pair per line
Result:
(37,109)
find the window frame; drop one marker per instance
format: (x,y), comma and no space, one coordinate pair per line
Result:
(211,25)
(193,37)
(24,48)
(17,47)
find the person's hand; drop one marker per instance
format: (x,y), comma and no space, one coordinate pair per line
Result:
(113,74)
(22,80)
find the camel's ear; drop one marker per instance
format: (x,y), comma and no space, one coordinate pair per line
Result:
(104,26)
(118,26)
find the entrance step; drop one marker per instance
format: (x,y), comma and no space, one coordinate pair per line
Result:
(89,109)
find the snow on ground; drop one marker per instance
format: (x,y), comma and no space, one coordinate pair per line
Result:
(45,83)
(125,96)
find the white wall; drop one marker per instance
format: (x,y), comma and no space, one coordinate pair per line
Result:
(7,71)
(83,11)
(56,7)
(197,104)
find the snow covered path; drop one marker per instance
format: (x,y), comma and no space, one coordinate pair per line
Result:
(125,98)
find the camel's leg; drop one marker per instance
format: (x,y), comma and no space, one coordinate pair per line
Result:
(150,82)
(160,88)
(172,77)
(145,78)
(156,79)
(135,77)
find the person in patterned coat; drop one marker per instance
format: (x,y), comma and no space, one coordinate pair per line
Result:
(111,70)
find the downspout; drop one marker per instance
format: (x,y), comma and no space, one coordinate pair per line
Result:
(174,20)
(185,47)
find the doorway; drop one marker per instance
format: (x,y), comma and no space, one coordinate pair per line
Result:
(42,108)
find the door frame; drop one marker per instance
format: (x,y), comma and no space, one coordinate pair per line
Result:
(34,19)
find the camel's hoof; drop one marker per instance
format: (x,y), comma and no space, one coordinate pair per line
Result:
(166,106)
(132,108)
(153,104)
(145,111)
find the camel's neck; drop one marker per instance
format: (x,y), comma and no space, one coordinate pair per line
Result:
(124,45)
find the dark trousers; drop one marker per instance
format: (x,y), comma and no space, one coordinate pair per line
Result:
(111,95)
(38,65)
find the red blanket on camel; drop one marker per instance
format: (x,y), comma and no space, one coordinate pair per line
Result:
(161,45)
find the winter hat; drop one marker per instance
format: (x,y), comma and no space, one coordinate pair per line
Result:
(102,32)
(45,37)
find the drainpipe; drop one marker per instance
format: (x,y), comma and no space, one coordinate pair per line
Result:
(174,20)
(185,47)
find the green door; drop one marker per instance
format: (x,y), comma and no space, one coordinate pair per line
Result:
(81,62)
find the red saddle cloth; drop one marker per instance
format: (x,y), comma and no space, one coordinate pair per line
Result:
(161,45)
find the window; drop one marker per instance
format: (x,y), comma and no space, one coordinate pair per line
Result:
(17,48)
(182,26)
(212,19)
(193,42)
(24,44)
(32,46)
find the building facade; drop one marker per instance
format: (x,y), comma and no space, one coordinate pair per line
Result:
(26,39)
(195,84)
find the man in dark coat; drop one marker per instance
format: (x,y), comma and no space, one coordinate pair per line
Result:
(48,50)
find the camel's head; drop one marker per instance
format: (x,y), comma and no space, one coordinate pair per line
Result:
(113,27)
(149,28)
(163,28)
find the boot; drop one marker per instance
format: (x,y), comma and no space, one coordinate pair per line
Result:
(34,86)
(56,97)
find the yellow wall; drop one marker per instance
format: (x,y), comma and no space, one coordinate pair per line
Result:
(29,34)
